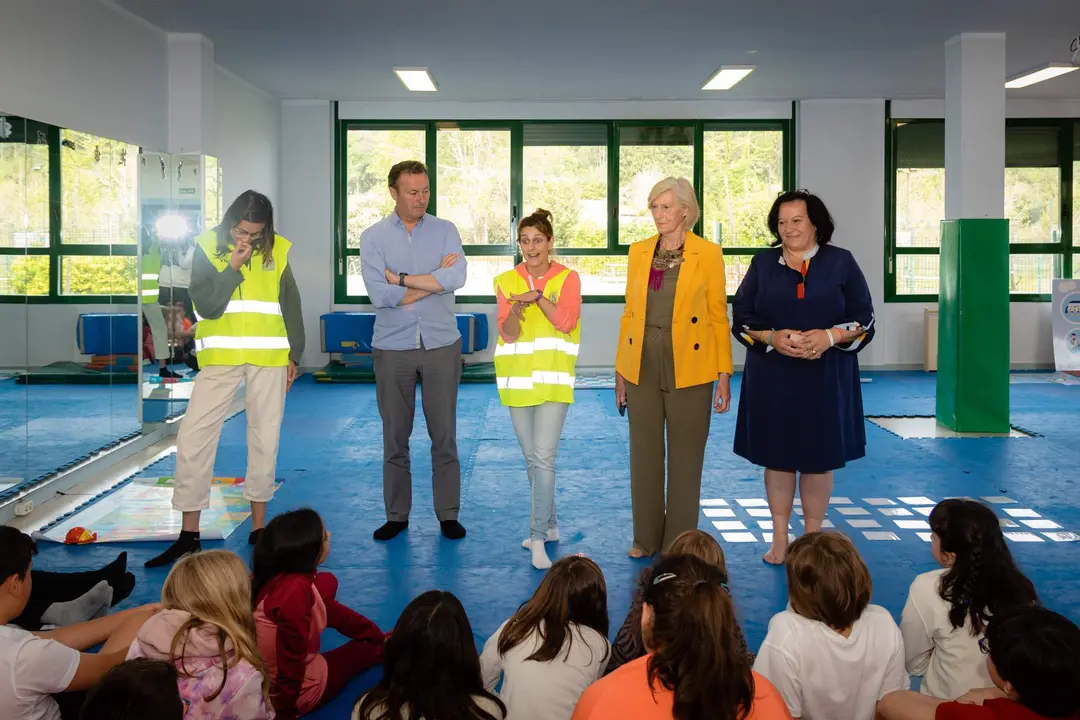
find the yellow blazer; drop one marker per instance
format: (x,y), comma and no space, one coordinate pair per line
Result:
(700,333)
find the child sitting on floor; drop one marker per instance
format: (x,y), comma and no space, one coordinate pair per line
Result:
(947,609)
(628,644)
(833,655)
(554,646)
(293,605)
(431,670)
(207,632)
(1034,663)
(695,668)
(45,674)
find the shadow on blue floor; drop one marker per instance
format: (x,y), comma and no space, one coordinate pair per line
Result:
(43,427)
(331,456)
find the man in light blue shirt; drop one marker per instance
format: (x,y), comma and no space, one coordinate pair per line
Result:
(412,263)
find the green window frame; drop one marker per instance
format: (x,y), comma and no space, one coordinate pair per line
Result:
(1068,150)
(57,250)
(519,129)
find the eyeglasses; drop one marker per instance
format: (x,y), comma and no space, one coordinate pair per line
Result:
(240,234)
(984,646)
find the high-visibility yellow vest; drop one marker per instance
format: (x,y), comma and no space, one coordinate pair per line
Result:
(540,365)
(252,330)
(149,273)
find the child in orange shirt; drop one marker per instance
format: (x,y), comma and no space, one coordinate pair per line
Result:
(694,667)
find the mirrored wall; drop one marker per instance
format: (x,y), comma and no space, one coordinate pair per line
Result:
(181,199)
(95,235)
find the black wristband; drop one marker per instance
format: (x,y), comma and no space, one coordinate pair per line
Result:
(401,279)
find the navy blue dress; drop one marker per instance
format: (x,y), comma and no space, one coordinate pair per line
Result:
(795,414)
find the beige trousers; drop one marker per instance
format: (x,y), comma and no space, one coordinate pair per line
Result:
(155,318)
(200,430)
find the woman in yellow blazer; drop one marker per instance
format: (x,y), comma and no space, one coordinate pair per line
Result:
(674,343)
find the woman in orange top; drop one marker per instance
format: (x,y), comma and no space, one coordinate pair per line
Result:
(695,668)
(674,343)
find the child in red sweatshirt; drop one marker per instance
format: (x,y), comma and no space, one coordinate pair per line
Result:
(293,605)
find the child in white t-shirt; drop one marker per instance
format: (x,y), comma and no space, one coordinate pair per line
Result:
(947,609)
(832,655)
(554,646)
(36,666)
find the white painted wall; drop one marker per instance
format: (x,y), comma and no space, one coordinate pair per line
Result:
(305,214)
(246,138)
(84,65)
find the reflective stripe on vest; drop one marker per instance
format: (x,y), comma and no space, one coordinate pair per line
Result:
(251,330)
(540,365)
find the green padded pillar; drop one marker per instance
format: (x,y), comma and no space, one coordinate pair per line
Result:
(973,326)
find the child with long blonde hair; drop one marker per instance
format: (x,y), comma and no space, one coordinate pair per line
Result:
(207,631)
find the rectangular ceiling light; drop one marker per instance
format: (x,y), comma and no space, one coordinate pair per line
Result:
(727,76)
(1041,73)
(416,79)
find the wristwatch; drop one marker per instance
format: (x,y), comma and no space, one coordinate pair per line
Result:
(401,279)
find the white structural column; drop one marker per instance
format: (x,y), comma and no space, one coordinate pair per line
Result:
(191,94)
(975,126)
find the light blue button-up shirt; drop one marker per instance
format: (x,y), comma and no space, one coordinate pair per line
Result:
(387,244)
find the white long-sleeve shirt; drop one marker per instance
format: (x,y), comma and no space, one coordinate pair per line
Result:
(947,658)
(550,690)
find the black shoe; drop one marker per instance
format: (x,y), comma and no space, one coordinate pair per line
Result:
(254,535)
(188,542)
(452,529)
(167,373)
(391,529)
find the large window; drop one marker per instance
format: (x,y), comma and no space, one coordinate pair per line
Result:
(594,177)
(69,213)
(1039,182)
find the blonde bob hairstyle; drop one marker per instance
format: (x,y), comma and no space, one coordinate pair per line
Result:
(684,195)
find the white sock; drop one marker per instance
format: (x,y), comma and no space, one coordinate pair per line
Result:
(540,559)
(552,536)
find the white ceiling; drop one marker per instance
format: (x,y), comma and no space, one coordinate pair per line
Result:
(568,50)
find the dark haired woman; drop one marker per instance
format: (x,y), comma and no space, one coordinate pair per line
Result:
(803,311)
(293,605)
(431,670)
(948,609)
(554,646)
(539,320)
(695,668)
(251,330)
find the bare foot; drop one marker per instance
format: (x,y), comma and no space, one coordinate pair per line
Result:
(774,557)
(637,552)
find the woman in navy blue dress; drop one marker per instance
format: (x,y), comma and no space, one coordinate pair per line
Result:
(804,312)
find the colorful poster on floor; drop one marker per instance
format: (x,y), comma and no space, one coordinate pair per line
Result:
(142,511)
(1065,325)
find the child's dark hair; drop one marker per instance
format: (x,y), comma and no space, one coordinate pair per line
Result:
(693,641)
(253,207)
(291,543)
(1038,652)
(983,579)
(573,592)
(17,550)
(139,689)
(430,666)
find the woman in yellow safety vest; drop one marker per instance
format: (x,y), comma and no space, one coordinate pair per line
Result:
(250,329)
(539,320)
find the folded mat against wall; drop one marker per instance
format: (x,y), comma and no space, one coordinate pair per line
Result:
(141,510)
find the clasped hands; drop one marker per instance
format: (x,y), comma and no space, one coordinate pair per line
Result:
(805,345)
(520,301)
(395,278)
